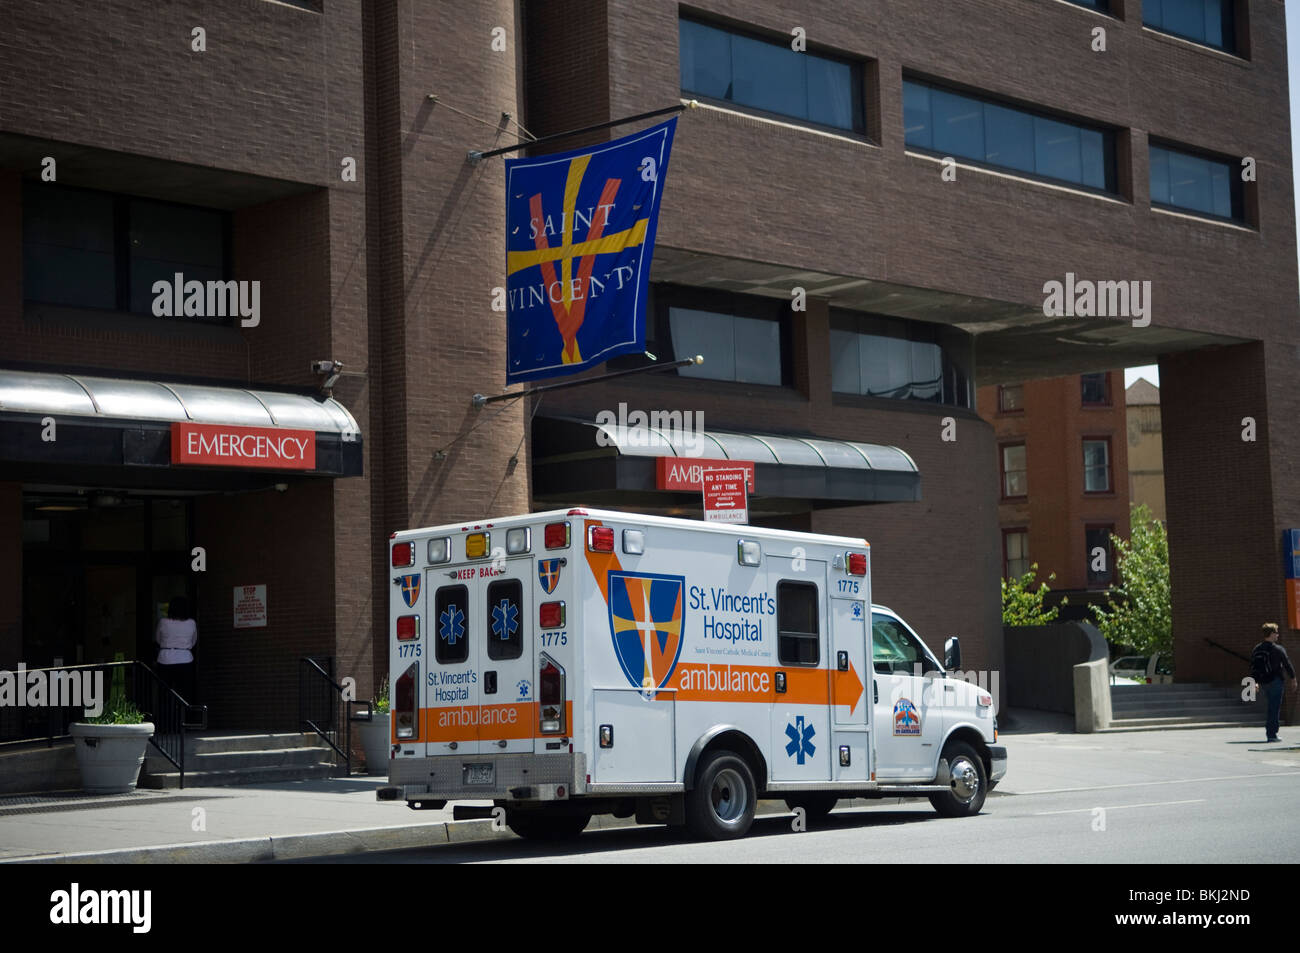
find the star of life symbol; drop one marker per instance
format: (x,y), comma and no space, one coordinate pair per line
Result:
(451,624)
(800,736)
(505,619)
(857,610)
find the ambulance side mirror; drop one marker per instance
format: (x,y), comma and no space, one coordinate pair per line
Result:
(952,654)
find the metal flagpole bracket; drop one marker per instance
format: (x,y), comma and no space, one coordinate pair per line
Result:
(475,156)
(478,400)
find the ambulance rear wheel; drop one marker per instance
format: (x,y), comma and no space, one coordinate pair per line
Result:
(721,805)
(969,784)
(816,806)
(542,826)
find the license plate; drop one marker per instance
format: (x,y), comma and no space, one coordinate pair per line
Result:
(480,774)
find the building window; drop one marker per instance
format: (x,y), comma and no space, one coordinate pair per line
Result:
(1096,465)
(796,623)
(743,339)
(1096,389)
(947,123)
(1015,472)
(900,360)
(732,67)
(1210,22)
(1102,5)
(1193,183)
(1011,398)
(1015,553)
(1101,565)
(86,249)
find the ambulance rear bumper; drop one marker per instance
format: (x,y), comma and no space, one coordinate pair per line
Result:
(521,776)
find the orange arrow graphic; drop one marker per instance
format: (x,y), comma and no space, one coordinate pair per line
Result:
(848,688)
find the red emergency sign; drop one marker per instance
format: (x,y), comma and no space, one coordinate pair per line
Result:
(221,445)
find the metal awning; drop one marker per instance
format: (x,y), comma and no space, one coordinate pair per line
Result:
(610,464)
(116,422)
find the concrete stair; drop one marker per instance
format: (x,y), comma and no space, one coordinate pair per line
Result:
(1181,705)
(222,760)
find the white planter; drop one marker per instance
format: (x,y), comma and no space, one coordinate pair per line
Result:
(110,756)
(376,742)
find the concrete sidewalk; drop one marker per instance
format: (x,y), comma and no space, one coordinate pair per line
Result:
(341,815)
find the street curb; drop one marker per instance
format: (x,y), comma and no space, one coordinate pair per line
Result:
(329,843)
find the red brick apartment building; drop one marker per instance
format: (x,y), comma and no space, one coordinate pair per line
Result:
(1063,485)
(319,148)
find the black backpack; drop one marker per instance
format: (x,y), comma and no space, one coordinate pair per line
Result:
(1262,665)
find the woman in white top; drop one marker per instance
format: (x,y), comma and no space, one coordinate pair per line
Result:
(177,634)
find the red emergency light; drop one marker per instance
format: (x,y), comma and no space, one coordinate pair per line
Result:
(857,564)
(403,554)
(556,535)
(408,627)
(600,539)
(550,615)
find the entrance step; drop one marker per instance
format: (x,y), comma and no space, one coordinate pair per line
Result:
(219,760)
(1182,705)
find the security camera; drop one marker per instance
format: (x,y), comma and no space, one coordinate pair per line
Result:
(329,371)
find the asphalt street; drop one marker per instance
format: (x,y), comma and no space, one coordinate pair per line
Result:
(1165,797)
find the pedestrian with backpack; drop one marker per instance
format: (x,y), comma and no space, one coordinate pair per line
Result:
(1270,667)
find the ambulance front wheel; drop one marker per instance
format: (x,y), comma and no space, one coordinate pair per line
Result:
(721,805)
(969,782)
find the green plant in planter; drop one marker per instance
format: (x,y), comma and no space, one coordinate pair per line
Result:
(380,702)
(118,710)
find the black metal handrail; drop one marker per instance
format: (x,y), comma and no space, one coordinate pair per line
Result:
(170,714)
(323,707)
(1224,648)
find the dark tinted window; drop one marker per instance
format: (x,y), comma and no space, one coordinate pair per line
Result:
(900,360)
(89,249)
(956,124)
(1094,389)
(796,623)
(1204,21)
(1100,568)
(451,625)
(505,615)
(1195,183)
(1103,5)
(763,74)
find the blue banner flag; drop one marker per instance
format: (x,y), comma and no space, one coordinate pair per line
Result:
(580,231)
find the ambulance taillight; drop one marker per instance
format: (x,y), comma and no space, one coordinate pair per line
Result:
(600,539)
(857,563)
(556,535)
(408,628)
(404,709)
(550,615)
(403,554)
(550,696)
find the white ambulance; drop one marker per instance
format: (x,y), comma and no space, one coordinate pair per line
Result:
(576,662)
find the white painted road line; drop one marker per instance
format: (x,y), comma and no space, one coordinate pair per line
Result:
(1147,784)
(1120,807)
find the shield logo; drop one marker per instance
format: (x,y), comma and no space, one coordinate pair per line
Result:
(548,573)
(411,589)
(645,622)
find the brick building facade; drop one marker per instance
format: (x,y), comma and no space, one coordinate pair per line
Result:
(392,273)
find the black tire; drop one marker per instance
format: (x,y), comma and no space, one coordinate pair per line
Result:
(816,804)
(969,785)
(543,825)
(721,805)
